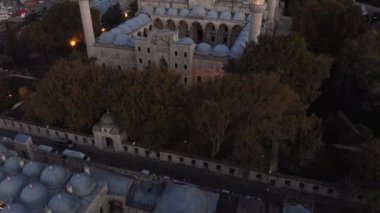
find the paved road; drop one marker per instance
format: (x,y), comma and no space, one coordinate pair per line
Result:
(200,177)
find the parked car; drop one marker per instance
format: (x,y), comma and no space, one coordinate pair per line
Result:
(76,154)
(64,141)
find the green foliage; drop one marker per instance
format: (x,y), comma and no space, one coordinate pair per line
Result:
(112,17)
(288,56)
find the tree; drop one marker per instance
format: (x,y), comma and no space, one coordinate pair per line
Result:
(70,95)
(326,24)
(112,17)
(289,57)
(6,100)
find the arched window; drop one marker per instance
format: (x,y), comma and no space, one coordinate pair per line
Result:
(170,25)
(210,34)
(222,35)
(158,24)
(145,33)
(183,29)
(196,32)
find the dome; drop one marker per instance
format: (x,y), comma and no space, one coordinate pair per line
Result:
(139,21)
(132,24)
(220,50)
(131,43)
(147,9)
(34,195)
(236,51)
(184,12)
(116,31)
(33,169)
(11,187)
(159,11)
(107,119)
(225,15)
(239,16)
(212,14)
(182,198)
(125,28)
(185,41)
(106,38)
(15,208)
(144,17)
(198,11)
(82,184)
(3,149)
(172,12)
(54,176)
(63,203)
(121,40)
(12,165)
(2,175)
(203,49)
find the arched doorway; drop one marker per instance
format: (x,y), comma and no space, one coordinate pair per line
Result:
(163,64)
(236,30)
(196,32)
(222,35)
(183,29)
(158,24)
(170,25)
(210,34)
(109,143)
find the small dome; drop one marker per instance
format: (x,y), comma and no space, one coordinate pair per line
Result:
(225,15)
(12,165)
(239,16)
(144,17)
(198,11)
(182,198)
(159,11)
(33,169)
(147,9)
(107,119)
(184,12)
(34,195)
(3,149)
(139,21)
(63,203)
(2,175)
(185,41)
(106,38)
(132,24)
(125,28)
(121,40)
(54,176)
(236,51)
(82,184)
(11,187)
(212,14)
(172,12)
(220,50)
(203,49)
(15,208)
(131,43)
(116,31)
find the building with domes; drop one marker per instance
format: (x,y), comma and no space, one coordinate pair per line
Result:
(190,37)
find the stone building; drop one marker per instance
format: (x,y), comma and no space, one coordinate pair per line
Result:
(190,37)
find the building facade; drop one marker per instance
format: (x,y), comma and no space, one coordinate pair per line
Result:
(190,37)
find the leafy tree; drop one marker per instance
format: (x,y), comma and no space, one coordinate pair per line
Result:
(70,95)
(6,101)
(112,17)
(5,61)
(288,56)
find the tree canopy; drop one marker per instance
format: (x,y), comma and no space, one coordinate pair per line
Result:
(112,17)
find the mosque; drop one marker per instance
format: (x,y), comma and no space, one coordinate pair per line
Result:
(193,38)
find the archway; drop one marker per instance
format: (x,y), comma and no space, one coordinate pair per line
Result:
(109,143)
(196,32)
(183,29)
(170,25)
(158,24)
(139,34)
(145,33)
(222,35)
(210,34)
(163,64)
(236,30)
(116,206)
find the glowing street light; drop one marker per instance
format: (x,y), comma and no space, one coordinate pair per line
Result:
(73,42)
(103,29)
(125,14)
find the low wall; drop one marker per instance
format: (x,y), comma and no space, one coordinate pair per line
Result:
(277,180)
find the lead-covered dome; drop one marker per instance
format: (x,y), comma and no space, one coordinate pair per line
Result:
(82,184)
(121,40)
(159,11)
(132,24)
(15,208)
(33,169)
(34,195)
(220,50)
(185,41)
(144,17)
(106,38)
(11,187)
(13,165)
(198,11)
(225,15)
(107,119)
(2,176)
(203,49)
(147,9)
(212,14)
(172,12)
(182,198)
(236,51)
(54,176)
(125,28)
(63,203)
(239,16)
(3,149)
(184,12)
(116,31)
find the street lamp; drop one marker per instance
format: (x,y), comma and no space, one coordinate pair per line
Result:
(125,14)
(73,42)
